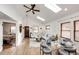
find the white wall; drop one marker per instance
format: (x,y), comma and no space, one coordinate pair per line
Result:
(34,23)
(19,37)
(1,36)
(53,27)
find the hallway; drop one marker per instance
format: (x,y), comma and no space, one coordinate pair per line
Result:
(23,49)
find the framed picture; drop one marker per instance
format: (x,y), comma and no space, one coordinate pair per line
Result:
(20,28)
(47,27)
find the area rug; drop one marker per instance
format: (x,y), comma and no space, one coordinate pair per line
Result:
(34,44)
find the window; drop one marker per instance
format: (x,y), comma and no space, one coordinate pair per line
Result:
(47,27)
(13,29)
(76,30)
(36,29)
(66,30)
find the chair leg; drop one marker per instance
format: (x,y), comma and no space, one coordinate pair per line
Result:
(42,53)
(50,53)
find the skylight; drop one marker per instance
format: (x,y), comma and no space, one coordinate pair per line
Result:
(38,17)
(53,7)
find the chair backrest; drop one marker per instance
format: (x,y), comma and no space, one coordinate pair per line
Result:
(48,42)
(66,42)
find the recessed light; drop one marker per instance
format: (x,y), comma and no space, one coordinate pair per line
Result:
(53,7)
(65,9)
(40,18)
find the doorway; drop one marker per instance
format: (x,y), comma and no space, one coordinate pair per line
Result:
(9,35)
(26,31)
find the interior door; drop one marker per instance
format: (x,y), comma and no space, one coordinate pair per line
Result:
(26,31)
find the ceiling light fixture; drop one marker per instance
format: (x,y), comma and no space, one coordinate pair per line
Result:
(38,17)
(65,9)
(53,7)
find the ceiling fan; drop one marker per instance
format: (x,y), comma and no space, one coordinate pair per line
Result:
(32,8)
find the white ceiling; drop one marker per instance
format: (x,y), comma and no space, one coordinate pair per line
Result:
(45,12)
(4,16)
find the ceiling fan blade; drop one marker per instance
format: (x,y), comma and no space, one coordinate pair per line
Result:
(26,6)
(33,12)
(33,6)
(37,10)
(28,10)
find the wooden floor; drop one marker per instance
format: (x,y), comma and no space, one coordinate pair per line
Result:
(23,49)
(6,46)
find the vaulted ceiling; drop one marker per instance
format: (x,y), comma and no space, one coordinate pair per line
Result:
(45,13)
(4,16)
